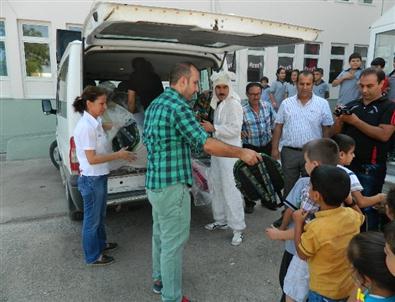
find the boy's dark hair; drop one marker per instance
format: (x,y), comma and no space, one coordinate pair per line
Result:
(323,150)
(391,199)
(354,55)
(253,84)
(378,62)
(367,256)
(332,183)
(320,70)
(264,79)
(372,70)
(389,235)
(345,142)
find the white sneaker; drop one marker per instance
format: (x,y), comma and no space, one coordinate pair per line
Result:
(237,238)
(216,226)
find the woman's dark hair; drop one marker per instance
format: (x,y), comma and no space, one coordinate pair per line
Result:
(90,93)
(279,70)
(389,233)
(345,142)
(367,256)
(332,183)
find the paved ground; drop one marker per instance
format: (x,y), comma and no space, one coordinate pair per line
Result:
(41,256)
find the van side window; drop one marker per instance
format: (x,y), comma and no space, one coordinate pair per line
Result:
(204,80)
(61,93)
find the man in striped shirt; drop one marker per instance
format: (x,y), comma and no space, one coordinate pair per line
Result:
(258,123)
(170,131)
(300,119)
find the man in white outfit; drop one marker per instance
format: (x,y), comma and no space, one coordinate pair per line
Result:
(227,202)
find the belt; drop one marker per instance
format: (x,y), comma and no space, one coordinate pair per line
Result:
(293,148)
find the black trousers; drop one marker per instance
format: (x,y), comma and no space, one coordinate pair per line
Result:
(287,257)
(263,149)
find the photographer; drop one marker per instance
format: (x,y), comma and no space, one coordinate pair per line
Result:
(371,122)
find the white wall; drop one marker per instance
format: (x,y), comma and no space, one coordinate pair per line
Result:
(340,22)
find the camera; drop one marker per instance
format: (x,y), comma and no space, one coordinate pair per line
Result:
(339,110)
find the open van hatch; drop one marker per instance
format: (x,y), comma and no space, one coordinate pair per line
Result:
(130,25)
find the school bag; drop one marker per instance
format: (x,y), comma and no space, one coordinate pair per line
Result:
(262,181)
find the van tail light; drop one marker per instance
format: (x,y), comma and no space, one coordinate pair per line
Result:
(74,164)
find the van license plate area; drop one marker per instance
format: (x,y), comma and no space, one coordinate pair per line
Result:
(126,183)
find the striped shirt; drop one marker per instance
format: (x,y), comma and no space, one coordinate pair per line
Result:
(170,131)
(303,123)
(258,126)
(355,184)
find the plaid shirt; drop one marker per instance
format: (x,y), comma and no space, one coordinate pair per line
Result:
(258,126)
(170,130)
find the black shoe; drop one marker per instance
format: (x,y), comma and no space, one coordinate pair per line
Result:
(110,247)
(249,209)
(103,260)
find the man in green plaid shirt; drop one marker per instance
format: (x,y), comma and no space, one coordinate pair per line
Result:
(170,131)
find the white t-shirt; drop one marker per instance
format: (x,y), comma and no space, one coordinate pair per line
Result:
(89,135)
(355,184)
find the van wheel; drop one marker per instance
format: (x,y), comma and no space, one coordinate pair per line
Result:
(74,213)
(54,154)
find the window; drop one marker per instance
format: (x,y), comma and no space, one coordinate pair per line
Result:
(35,46)
(311,54)
(363,51)
(336,61)
(231,61)
(255,64)
(3,60)
(385,47)
(74,27)
(366,1)
(286,55)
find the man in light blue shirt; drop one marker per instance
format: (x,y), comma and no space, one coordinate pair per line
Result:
(348,80)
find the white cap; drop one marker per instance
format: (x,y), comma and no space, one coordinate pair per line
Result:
(222,78)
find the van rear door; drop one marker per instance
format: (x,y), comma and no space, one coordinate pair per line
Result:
(134,25)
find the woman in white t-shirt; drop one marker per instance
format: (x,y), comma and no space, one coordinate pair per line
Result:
(93,153)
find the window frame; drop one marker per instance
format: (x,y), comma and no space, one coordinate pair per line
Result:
(336,57)
(39,40)
(3,39)
(286,55)
(311,56)
(364,58)
(258,52)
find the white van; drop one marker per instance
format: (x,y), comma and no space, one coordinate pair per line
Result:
(114,34)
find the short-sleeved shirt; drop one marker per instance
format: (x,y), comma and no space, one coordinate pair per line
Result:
(321,89)
(258,125)
(146,85)
(349,90)
(291,89)
(367,149)
(391,84)
(170,131)
(303,123)
(278,91)
(355,184)
(265,94)
(89,135)
(324,241)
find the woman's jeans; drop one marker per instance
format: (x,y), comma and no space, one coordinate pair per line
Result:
(94,193)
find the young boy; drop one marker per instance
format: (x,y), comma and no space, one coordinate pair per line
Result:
(320,88)
(316,152)
(346,154)
(324,241)
(389,249)
(348,80)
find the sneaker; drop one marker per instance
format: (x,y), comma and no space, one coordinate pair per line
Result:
(216,226)
(103,260)
(110,247)
(237,238)
(157,287)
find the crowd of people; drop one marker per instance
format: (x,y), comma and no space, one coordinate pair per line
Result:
(334,166)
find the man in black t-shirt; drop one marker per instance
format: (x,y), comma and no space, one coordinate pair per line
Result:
(144,83)
(371,124)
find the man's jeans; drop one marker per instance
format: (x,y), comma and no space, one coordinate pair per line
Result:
(94,193)
(171,213)
(371,177)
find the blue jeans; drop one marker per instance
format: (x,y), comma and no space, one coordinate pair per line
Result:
(171,213)
(315,297)
(94,193)
(372,178)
